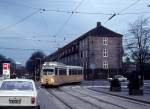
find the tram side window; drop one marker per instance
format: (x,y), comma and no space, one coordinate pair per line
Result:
(62,72)
(56,71)
(43,72)
(70,72)
(73,72)
(79,72)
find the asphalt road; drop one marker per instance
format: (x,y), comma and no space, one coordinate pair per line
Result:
(77,97)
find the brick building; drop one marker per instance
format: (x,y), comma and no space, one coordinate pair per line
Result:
(100,49)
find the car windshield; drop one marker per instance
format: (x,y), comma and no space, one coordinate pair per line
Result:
(16,85)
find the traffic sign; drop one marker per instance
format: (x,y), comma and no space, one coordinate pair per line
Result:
(92,66)
(6,70)
(6,66)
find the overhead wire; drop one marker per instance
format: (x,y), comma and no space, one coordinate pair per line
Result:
(92,13)
(65,23)
(46,24)
(84,12)
(10,2)
(31,39)
(134,13)
(20,21)
(24,49)
(129,6)
(71,13)
(122,10)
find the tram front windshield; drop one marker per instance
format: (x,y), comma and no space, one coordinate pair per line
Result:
(48,71)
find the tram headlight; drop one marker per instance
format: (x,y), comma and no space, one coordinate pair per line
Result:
(52,80)
(42,80)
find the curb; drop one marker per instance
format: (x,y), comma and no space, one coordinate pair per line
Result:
(143,101)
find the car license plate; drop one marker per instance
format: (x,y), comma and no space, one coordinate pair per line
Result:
(15,100)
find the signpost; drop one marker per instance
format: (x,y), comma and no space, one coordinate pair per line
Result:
(6,70)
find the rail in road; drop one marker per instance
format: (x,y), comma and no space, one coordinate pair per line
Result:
(115,99)
(132,98)
(73,101)
(109,99)
(60,99)
(79,97)
(98,99)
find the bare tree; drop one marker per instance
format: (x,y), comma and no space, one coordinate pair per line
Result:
(33,64)
(138,44)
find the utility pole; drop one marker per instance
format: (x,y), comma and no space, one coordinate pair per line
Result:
(39,68)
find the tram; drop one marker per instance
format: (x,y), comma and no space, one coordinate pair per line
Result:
(55,74)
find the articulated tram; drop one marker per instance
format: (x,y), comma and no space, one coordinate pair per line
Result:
(54,73)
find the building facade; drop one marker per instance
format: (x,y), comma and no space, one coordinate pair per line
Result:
(99,51)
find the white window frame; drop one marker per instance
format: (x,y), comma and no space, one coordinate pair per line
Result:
(86,53)
(105,64)
(83,54)
(105,53)
(105,40)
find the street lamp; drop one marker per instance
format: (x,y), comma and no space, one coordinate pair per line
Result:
(37,66)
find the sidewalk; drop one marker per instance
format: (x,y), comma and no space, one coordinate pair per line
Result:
(124,94)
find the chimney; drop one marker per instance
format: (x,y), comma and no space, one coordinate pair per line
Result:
(98,24)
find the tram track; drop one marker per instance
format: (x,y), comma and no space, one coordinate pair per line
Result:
(139,102)
(55,92)
(99,93)
(61,100)
(68,96)
(97,99)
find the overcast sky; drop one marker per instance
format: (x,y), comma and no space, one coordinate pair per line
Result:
(28,25)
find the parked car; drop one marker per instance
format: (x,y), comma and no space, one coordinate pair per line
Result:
(109,79)
(19,93)
(119,77)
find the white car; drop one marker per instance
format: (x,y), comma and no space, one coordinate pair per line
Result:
(19,93)
(109,79)
(119,77)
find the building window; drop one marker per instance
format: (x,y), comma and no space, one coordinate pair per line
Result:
(86,53)
(76,47)
(105,40)
(105,53)
(81,54)
(86,42)
(82,43)
(86,65)
(105,64)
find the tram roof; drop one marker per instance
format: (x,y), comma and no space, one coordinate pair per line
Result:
(53,64)
(68,66)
